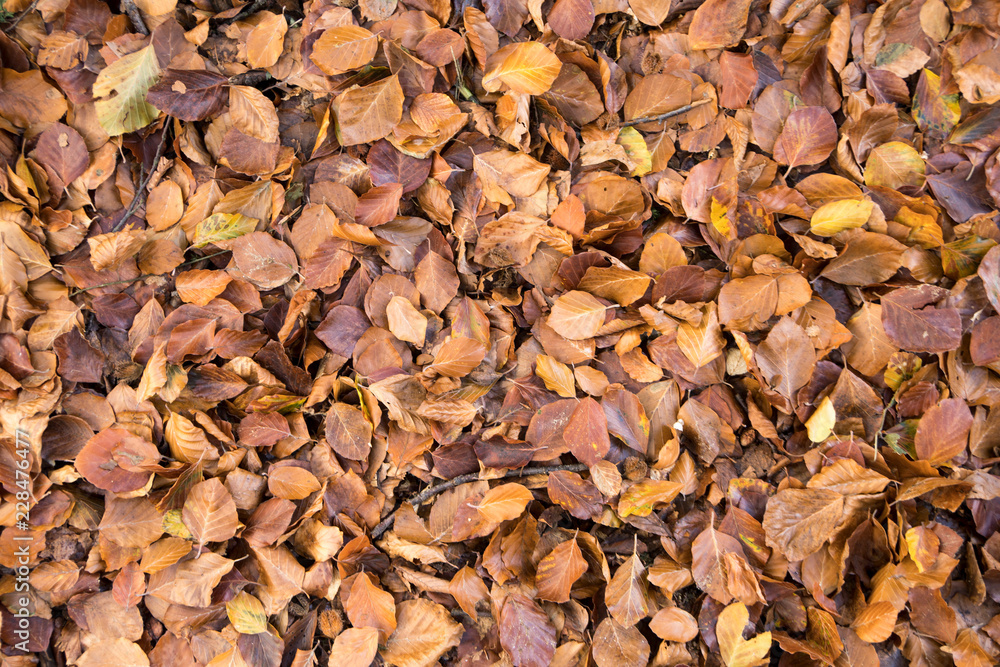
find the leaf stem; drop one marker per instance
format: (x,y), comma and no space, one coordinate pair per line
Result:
(20,17)
(432,491)
(664,116)
(135,16)
(132,280)
(140,193)
(881,422)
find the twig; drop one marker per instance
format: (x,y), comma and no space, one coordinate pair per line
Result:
(113,282)
(246,10)
(132,280)
(432,491)
(19,17)
(140,193)
(135,16)
(881,422)
(251,78)
(664,116)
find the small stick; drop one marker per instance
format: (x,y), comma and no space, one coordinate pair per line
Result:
(19,17)
(664,116)
(432,491)
(251,78)
(141,194)
(135,16)
(132,280)
(245,11)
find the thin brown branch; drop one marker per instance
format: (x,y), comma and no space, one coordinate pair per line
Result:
(17,19)
(664,116)
(108,284)
(135,16)
(140,194)
(132,280)
(251,78)
(246,10)
(432,491)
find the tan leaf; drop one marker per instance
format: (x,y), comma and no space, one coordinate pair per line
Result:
(524,67)
(458,357)
(343,48)
(718,24)
(577,315)
(368,606)
(109,251)
(820,424)
(200,286)
(640,498)
(505,174)
(468,588)
(626,595)
(366,114)
(266,40)
(876,622)
(737,651)
(674,624)
(870,349)
(264,260)
(190,582)
(129,586)
(847,477)
(253,114)
(405,322)
(210,513)
(559,570)
(703,343)
(800,521)
(354,647)
(281,574)
(557,376)
(504,502)
(348,432)
(425,631)
(623,286)
(617,645)
(292,483)
(119,652)
(509,240)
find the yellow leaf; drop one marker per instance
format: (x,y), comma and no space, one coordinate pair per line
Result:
(703,343)
(247,615)
(894,165)
(640,498)
(820,425)
(130,77)
(173,525)
(557,376)
(736,651)
(637,150)
(836,216)
(720,219)
(923,546)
